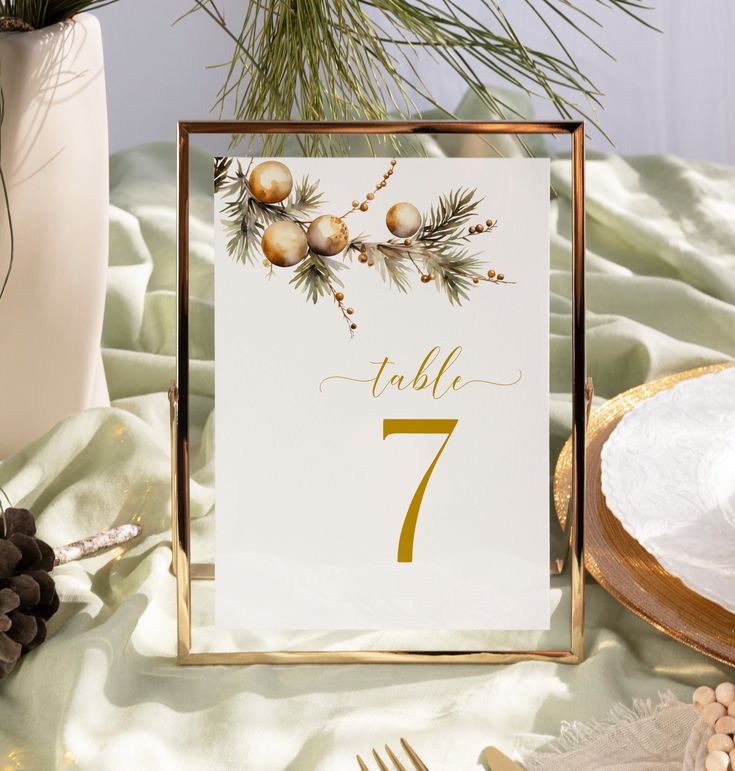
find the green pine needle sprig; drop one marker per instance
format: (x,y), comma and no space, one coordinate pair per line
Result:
(221,172)
(316,276)
(447,219)
(440,250)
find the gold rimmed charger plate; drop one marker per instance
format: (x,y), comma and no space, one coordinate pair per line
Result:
(619,563)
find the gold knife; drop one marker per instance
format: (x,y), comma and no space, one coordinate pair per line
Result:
(495,760)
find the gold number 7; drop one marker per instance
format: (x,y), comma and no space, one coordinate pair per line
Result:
(416,426)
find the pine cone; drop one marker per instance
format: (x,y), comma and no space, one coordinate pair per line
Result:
(28,595)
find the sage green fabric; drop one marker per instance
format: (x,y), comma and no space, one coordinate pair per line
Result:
(104,693)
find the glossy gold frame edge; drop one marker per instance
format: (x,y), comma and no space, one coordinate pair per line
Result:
(185,571)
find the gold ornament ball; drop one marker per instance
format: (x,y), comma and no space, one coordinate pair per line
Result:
(350,311)
(425,278)
(284,244)
(491,274)
(403,220)
(363,257)
(353,325)
(271,182)
(339,296)
(328,235)
(501,277)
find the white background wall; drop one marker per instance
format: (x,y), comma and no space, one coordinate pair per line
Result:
(667,93)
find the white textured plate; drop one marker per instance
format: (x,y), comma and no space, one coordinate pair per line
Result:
(668,475)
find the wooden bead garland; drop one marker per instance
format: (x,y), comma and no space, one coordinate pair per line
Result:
(718,711)
(703,696)
(717,761)
(713,712)
(725,725)
(725,694)
(720,742)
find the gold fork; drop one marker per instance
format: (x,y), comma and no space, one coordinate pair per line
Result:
(416,761)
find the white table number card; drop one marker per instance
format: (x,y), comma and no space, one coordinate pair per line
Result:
(382,388)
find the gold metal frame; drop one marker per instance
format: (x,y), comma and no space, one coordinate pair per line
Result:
(186,571)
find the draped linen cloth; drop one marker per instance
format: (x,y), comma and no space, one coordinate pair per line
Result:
(104,691)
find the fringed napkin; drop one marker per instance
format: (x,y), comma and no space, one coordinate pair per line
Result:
(663,736)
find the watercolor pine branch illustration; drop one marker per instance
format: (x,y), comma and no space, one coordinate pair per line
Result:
(270,219)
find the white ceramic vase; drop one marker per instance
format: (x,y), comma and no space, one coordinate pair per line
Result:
(55,159)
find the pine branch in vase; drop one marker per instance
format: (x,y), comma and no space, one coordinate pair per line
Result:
(360,59)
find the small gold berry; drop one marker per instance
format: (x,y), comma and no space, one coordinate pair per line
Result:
(350,311)
(353,325)
(479,228)
(425,278)
(475,280)
(501,277)
(339,296)
(362,257)
(355,204)
(407,242)
(371,262)
(390,172)
(393,162)
(363,207)
(491,274)
(489,223)
(471,229)
(370,196)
